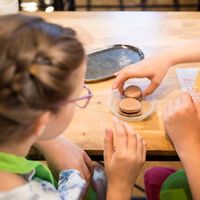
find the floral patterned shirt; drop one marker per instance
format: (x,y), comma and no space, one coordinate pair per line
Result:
(70,187)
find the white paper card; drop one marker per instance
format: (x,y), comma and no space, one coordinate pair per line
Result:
(186,77)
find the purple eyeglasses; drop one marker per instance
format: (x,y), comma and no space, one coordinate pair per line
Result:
(84,100)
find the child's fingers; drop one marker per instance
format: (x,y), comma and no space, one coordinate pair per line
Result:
(86,173)
(197,106)
(178,103)
(131,138)
(151,87)
(119,82)
(117,73)
(196,100)
(165,112)
(123,76)
(108,145)
(170,107)
(89,163)
(186,98)
(120,135)
(188,103)
(139,146)
(144,151)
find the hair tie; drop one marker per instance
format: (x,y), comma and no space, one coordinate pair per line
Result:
(34,70)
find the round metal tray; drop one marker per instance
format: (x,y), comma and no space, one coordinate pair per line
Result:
(103,63)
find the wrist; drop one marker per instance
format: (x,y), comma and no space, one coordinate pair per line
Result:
(170,55)
(118,192)
(189,153)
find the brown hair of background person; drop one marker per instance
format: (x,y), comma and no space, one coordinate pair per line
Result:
(36,64)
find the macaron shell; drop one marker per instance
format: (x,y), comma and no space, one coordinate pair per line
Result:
(129,105)
(133,91)
(130,114)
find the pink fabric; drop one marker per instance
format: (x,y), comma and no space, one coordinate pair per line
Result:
(153,180)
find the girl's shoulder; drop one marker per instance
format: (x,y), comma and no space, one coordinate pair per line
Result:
(33,189)
(10,181)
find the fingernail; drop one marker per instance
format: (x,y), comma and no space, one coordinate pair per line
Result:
(114,86)
(115,119)
(116,73)
(106,130)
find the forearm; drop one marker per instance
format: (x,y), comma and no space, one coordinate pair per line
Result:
(185,53)
(47,146)
(191,163)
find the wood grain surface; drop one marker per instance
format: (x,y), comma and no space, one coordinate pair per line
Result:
(151,32)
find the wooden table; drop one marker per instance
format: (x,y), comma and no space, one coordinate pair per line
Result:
(150,31)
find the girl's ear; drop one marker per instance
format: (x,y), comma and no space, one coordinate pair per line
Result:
(40,124)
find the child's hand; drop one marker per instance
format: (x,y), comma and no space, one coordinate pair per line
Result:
(182,123)
(153,68)
(124,161)
(62,154)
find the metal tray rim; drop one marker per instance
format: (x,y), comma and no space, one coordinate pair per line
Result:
(141,54)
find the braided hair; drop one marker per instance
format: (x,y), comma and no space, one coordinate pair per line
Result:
(37,60)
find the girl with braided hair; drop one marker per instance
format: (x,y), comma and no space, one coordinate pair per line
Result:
(42,69)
